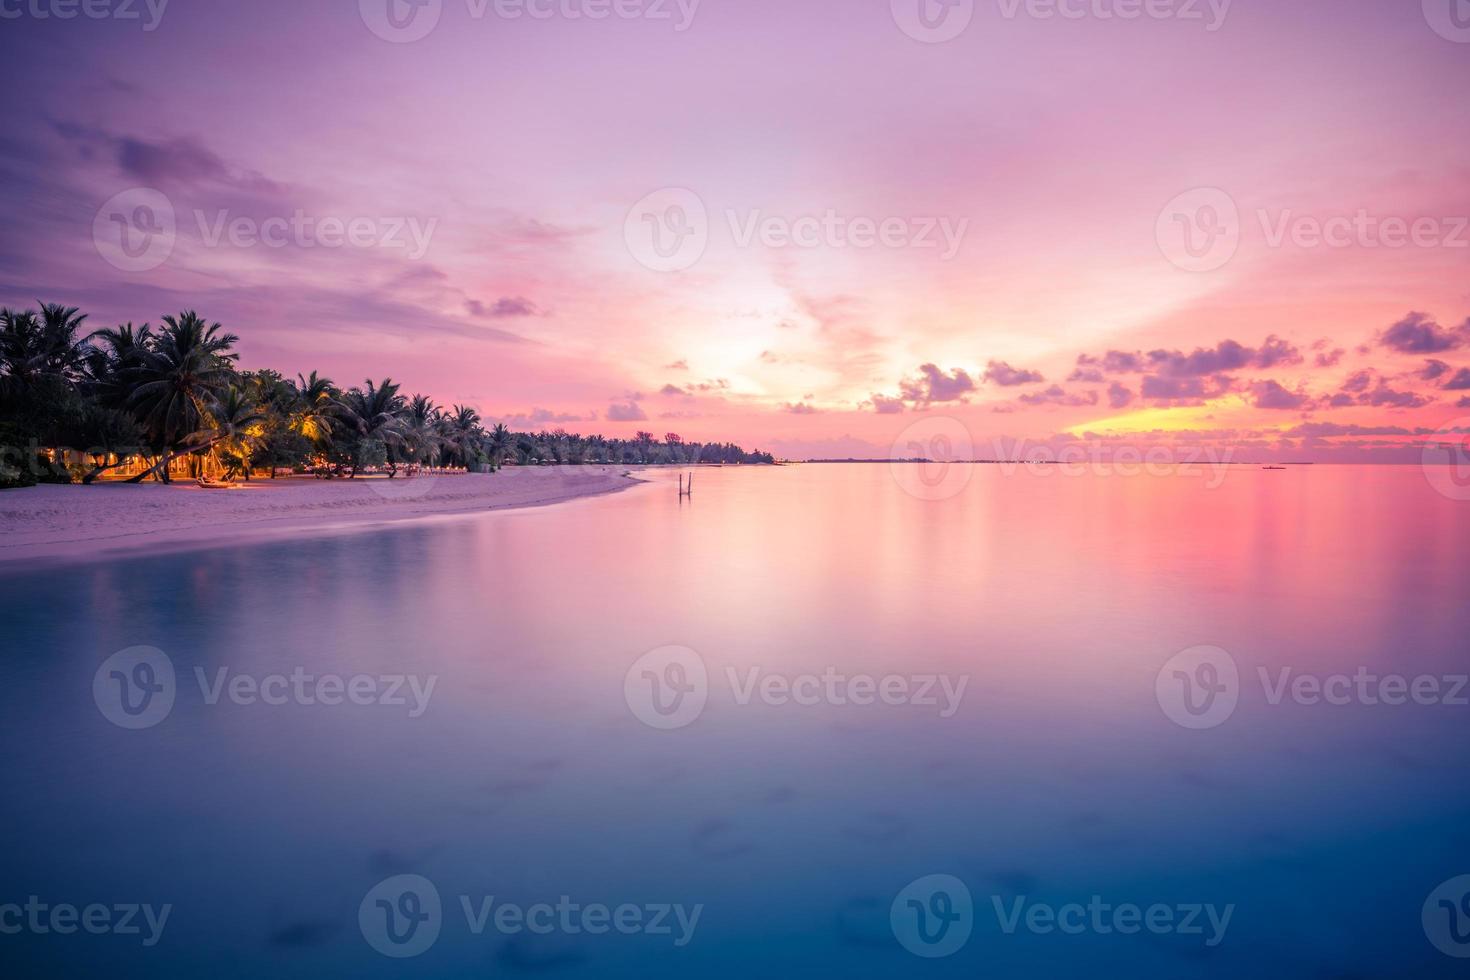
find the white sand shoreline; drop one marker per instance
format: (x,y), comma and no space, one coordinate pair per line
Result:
(48,524)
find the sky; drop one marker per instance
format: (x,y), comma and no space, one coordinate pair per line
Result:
(809,226)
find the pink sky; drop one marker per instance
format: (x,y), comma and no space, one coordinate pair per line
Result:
(523,143)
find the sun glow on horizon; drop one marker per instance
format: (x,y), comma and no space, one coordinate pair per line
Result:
(1180,418)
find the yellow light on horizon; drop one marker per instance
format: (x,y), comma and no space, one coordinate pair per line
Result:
(1214,414)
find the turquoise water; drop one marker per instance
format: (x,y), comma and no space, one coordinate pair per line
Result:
(1051,606)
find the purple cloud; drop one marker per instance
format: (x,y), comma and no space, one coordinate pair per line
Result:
(544,416)
(1225,357)
(631,412)
(1385,397)
(1228,355)
(1277,351)
(1417,333)
(182,160)
(1001,373)
(887,406)
(1433,369)
(1460,382)
(1175,389)
(933,385)
(1327,355)
(1119,396)
(1271,395)
(506,306)
(1323,430)
(1056,396)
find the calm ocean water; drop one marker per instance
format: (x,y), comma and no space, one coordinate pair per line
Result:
(645,709)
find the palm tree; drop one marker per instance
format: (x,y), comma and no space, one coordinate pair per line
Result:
(501,442)
(19,340)
(112,360)
(317,405)
(463,433)
(39,348)
(374,416)
(235,420)
(179,375)
(422,439)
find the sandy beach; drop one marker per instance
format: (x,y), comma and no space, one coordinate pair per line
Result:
(71,523)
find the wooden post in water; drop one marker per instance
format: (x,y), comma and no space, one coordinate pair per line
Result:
(686,491)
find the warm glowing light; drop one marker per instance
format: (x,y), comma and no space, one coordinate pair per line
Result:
(1213,414)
